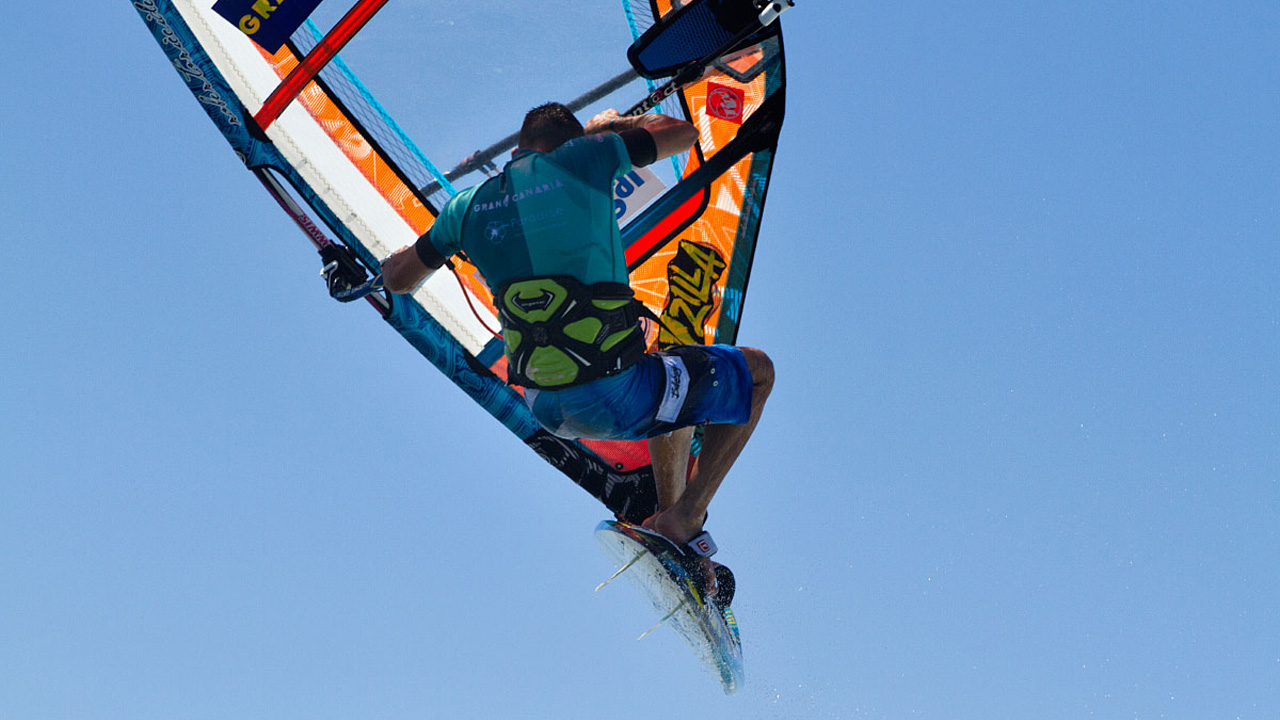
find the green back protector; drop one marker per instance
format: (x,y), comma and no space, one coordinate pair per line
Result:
(560,332)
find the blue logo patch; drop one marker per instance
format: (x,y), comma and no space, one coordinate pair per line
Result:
(269,23)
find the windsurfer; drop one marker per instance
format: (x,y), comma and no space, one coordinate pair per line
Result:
(543,235)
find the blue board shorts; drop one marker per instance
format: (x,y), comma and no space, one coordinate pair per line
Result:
(681,387)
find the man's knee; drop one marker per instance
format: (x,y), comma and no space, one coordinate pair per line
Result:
(760,366)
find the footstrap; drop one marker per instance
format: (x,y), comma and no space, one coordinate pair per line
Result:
(702,545)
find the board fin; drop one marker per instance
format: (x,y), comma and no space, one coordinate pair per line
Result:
(621,570)
(664,619)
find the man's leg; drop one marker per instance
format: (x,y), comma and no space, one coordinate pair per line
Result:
(721,445)
(670,457)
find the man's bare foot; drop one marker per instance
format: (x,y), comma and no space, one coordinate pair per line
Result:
(674,527)
(680,531)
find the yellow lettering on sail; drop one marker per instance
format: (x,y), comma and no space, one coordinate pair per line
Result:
(265,8)
(691,279)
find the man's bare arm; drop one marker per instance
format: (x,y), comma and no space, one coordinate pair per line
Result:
(670,135)
(403,271)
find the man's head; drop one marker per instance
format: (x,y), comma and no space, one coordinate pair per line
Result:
(547,127)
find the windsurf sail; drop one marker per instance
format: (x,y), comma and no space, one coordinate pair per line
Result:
(703,29)
(332,157)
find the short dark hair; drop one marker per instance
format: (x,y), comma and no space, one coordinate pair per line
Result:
(549,126)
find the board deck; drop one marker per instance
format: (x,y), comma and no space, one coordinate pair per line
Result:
(652,564)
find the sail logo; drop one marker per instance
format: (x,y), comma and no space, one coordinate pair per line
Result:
(725,102)
(691,294)
(269,23)
(633,191)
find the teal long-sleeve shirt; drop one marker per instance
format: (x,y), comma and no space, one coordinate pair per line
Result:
(545,214)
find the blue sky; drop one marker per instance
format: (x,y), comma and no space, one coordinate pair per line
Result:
(1019,272)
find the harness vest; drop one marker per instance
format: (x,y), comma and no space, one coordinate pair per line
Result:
(560,332)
